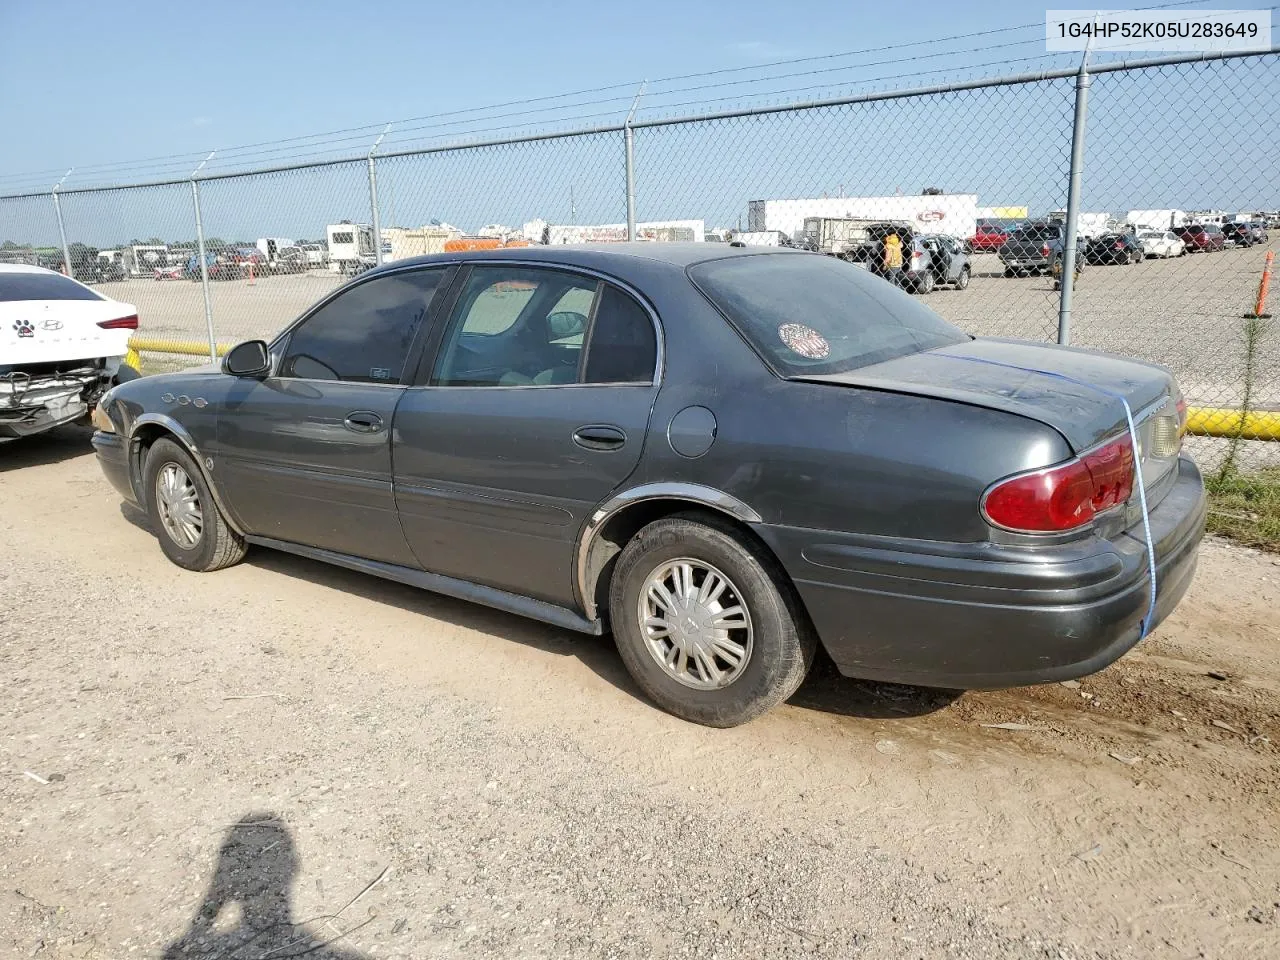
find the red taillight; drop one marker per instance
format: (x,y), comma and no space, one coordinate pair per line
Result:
(1044,251)
(120,323)
(1065,496)
(1181,405)
(1119,246)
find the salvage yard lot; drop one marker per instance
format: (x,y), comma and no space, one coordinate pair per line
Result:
(513,795)
(1184,313)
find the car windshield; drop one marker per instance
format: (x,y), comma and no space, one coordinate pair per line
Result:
(810,314)
(20,285)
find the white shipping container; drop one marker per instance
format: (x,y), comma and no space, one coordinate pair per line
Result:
(950,214)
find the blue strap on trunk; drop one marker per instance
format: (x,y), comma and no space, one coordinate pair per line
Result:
(1149,619)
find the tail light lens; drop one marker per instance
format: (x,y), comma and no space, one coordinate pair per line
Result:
(1181,404)
(120,323)
(1044,251)
(1064,496)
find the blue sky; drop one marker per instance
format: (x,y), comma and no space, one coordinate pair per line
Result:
(119,81)
(127,92)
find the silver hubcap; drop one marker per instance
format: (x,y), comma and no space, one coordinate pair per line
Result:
(695,624)
(178,504)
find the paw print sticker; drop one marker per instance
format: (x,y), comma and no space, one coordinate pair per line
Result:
(25,328)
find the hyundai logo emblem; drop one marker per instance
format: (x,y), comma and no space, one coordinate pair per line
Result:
(51,325)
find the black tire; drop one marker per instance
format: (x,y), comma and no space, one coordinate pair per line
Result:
(926,283)
(962,281)
(783,642)
(218,545)
(1010,272)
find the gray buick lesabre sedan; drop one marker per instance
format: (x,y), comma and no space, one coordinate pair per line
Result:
(724,456)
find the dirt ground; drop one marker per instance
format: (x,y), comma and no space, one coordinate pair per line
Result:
(287,759)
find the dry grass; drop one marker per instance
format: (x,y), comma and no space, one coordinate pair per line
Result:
(1246,508)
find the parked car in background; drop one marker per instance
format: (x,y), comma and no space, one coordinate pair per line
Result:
(929,260)
(539,430)
(1161,243)
(1114,248)
(61,348)
(170,271)
(1201,237)
(936,260)
(219,265)
(990,236)
(1245,233)
(317,256)
(1031,248)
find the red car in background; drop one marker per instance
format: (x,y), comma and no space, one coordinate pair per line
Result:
(1201,238)
(990,236)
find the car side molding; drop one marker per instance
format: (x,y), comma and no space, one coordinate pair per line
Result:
(693,493)
(449,586)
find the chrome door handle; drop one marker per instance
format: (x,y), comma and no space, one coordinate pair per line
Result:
(363,421)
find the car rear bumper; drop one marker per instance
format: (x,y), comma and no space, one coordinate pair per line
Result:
(1025,263)
(113,457)
(977,616)
(23,422)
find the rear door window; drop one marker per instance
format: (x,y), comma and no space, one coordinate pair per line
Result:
(623,347)
(21,285)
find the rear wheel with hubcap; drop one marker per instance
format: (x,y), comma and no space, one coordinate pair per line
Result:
(187,521)
(706,622)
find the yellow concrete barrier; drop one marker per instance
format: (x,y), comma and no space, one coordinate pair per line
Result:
(188,348)
(1220,422)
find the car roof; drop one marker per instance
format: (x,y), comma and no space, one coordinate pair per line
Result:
(602,256)
(26,268)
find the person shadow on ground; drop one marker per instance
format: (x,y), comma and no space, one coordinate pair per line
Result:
(257,865)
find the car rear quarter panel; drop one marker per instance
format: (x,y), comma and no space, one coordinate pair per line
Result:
(827,456)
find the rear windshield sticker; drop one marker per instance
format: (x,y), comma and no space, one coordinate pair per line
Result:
(805,341)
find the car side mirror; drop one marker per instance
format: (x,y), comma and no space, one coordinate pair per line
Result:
(249,359)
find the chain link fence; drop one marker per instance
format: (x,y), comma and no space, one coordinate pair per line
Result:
(1167,144)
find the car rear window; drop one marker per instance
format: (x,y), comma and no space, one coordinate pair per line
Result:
(42,286)
(1037,233)
(810,314)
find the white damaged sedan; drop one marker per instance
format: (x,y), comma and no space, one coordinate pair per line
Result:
(61,347)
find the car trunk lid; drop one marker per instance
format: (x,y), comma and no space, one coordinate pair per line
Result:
(1073,391)
(51,331)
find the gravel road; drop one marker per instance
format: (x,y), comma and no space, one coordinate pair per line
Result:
(286,759)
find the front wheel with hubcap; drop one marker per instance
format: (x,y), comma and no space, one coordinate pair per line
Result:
(706,622)
(962,281)
(191,529)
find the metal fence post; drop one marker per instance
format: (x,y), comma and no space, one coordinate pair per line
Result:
(373,198)
(204,265)
(1083,80)
(629,144)
(62,230)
